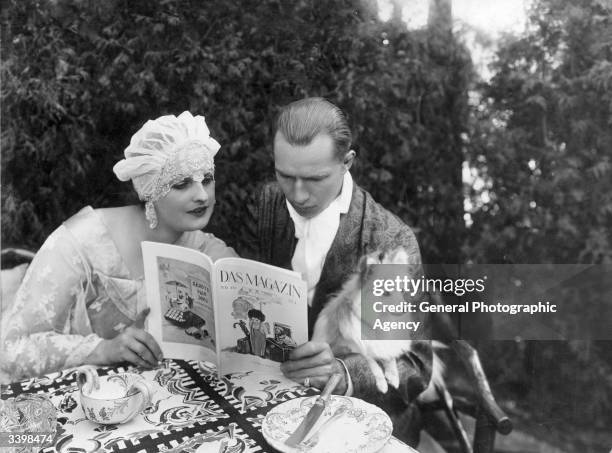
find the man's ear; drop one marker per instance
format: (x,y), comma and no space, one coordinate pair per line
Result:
(348,159)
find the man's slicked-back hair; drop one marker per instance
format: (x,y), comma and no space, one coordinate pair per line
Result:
(301,121)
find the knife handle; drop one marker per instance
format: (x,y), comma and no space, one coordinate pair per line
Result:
(330,386)
(314,413)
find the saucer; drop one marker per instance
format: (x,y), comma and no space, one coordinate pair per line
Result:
(363,427)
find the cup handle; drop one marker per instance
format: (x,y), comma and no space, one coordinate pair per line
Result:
(146,391)
(87,379)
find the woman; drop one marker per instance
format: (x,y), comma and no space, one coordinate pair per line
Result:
(82,300)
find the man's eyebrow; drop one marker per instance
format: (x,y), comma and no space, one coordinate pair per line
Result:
(321,175)
(317,176)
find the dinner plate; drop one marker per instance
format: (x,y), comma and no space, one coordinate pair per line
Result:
(362,427)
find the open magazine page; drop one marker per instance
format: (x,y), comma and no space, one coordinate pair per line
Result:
(261,314)
(179,293)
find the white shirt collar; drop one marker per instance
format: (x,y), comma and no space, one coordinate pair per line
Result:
(315,235)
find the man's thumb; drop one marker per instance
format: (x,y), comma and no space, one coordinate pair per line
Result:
(140,318)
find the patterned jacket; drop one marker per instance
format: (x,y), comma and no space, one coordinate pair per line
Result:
(367,227)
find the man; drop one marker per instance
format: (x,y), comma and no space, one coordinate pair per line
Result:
(317,221)
(257,332)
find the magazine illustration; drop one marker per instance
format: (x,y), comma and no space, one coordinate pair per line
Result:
(236,313)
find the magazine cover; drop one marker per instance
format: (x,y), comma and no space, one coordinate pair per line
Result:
(261,311)
(233,312)
(180,295)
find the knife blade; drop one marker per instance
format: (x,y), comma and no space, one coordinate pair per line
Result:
(314,413)
(319,429)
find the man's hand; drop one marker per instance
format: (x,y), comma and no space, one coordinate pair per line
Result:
(133,345)
(314,361)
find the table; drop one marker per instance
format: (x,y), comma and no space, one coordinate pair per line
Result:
(191,409)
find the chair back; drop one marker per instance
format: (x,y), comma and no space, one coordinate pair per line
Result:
(15,262)
(477,402)
(13,256)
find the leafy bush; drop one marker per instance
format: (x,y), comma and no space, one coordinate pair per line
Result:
(80,77)
(540,139)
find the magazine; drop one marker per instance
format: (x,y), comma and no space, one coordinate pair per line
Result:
(236,313)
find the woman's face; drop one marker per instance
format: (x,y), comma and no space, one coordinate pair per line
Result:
(188,206)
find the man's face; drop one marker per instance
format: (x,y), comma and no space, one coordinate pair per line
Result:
(311,175)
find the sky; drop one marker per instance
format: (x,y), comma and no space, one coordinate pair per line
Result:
(492,16)
(474,18)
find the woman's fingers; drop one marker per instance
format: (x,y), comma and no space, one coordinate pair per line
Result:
(143,345)
(143,352)
(133,345)
(147,339)
(134,358)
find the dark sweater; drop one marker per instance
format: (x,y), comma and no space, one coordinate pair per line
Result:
(367,227)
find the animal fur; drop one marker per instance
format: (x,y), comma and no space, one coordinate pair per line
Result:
(340,321)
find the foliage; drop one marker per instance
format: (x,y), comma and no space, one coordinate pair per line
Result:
(541,139)
(82,76)
(540,143)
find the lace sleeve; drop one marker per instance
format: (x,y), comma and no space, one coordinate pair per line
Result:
(47,327)
(216,248)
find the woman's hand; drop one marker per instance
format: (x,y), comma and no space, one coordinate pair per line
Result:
(314,361)
(133,345)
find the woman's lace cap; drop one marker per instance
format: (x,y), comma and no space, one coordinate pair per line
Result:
(164,152)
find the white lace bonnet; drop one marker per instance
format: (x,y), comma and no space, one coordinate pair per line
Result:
(164,152)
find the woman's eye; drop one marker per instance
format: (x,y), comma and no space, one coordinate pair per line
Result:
(208,179)
(181,185)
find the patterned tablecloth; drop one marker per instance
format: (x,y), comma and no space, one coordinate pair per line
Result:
(192,411)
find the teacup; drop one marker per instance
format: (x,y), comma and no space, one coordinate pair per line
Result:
(112,399)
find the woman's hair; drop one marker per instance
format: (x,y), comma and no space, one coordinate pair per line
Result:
(301,121)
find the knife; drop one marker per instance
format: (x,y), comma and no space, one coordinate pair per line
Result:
(314,413)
